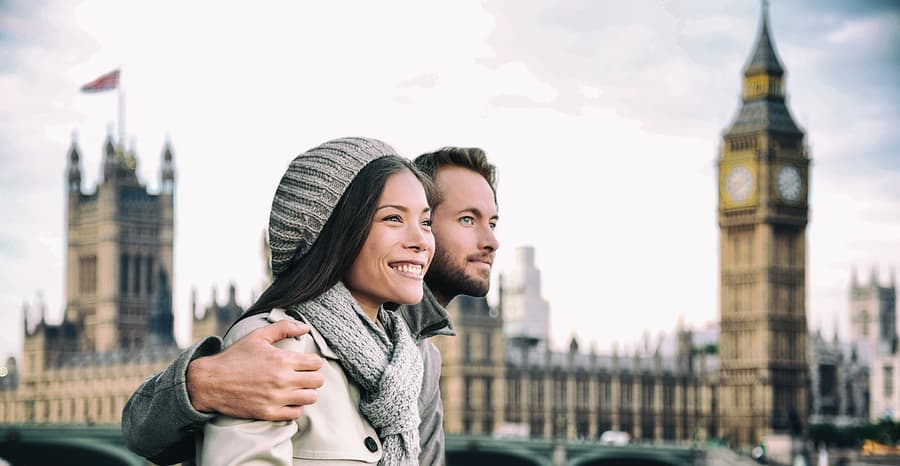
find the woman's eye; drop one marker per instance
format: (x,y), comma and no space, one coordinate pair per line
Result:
(393,218)
(426,222)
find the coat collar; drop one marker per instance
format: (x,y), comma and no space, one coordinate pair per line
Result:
(427,318)
(276,315)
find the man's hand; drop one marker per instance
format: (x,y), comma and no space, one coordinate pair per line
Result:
(252,379)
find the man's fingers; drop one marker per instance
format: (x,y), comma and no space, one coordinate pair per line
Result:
(293,407)
(281,330)
(284,413)
(303,362)
(304,379)
(303,397)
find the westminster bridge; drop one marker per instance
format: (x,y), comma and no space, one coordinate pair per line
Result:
(62,445)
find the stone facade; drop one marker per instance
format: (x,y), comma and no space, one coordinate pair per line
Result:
(873,316)
(216,318)
(874,336)
(839,383)
(117,326)
(493,384)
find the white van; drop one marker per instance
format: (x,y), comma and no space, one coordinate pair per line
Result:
(615,437)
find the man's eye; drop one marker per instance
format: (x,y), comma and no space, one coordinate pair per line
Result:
(493,225)
(426,222)
(467,220)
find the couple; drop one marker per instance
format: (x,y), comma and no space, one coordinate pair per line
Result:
(352,232)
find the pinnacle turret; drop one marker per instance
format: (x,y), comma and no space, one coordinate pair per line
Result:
(764,60)
(74,166)
(167,170)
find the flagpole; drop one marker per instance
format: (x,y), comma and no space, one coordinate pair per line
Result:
(121,114)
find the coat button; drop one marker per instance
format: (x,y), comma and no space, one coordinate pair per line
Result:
(371,445)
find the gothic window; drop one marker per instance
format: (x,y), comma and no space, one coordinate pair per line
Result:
(668,397)
(888,381)
(581,427)
(736,249)
(513,395)
(467,348)
(559,389)
(487,392)
(647,395)
(625,395)
(864,322)
(123,274)
(87,274)
(487,425)
(627,425)
(536,426)
(467,392)
(137,275)
(149,275)
(581,389)
(605,394)
(487,346)
(537,392)
(849,396)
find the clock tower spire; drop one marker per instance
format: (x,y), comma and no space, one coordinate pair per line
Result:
(763,209)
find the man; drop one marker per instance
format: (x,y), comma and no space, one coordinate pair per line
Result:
(253,379)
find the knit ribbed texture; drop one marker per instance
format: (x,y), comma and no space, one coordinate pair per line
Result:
(386,366)
(309,191)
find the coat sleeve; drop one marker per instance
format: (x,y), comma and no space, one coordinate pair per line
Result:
(158,421)
(431,409)
(228,441)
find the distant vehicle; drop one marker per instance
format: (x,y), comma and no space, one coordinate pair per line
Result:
(512,430)
(615,437)
(873,448)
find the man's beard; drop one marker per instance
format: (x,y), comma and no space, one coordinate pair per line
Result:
(449,279)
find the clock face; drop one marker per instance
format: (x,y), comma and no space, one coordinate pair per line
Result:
(739,183)
(789,183)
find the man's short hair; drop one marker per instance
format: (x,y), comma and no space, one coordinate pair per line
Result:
(471,158)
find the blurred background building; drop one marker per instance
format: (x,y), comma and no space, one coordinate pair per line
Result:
(117,326)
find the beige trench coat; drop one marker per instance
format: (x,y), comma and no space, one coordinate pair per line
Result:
(330,432)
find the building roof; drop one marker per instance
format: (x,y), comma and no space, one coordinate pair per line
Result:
(763,115)
(541,359)
(764,59)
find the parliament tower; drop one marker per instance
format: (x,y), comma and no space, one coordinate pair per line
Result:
(119,257)
(763,211)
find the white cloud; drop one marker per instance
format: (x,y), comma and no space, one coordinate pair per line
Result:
(864,32)
(617,196)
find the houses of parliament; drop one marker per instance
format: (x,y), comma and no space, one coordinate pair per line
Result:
(763,373)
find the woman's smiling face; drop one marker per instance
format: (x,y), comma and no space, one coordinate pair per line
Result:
(398,249)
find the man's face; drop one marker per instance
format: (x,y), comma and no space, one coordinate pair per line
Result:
(463,226)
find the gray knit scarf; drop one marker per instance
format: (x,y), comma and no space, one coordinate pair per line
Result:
(387,367)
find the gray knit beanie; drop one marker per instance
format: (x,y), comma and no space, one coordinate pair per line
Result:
(309,191)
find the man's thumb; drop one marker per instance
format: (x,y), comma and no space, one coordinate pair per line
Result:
(282,329)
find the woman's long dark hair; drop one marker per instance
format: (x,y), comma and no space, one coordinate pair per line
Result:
(340,241)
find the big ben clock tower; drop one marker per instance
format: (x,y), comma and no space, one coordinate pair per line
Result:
(763,211)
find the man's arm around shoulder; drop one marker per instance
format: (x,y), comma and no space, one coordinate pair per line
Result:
(158,421)
(251,379)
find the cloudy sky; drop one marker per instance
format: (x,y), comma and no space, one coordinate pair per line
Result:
(604,119)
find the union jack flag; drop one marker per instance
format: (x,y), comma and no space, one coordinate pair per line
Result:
(103,83)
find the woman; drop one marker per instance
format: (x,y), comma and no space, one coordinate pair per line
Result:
(349,230)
